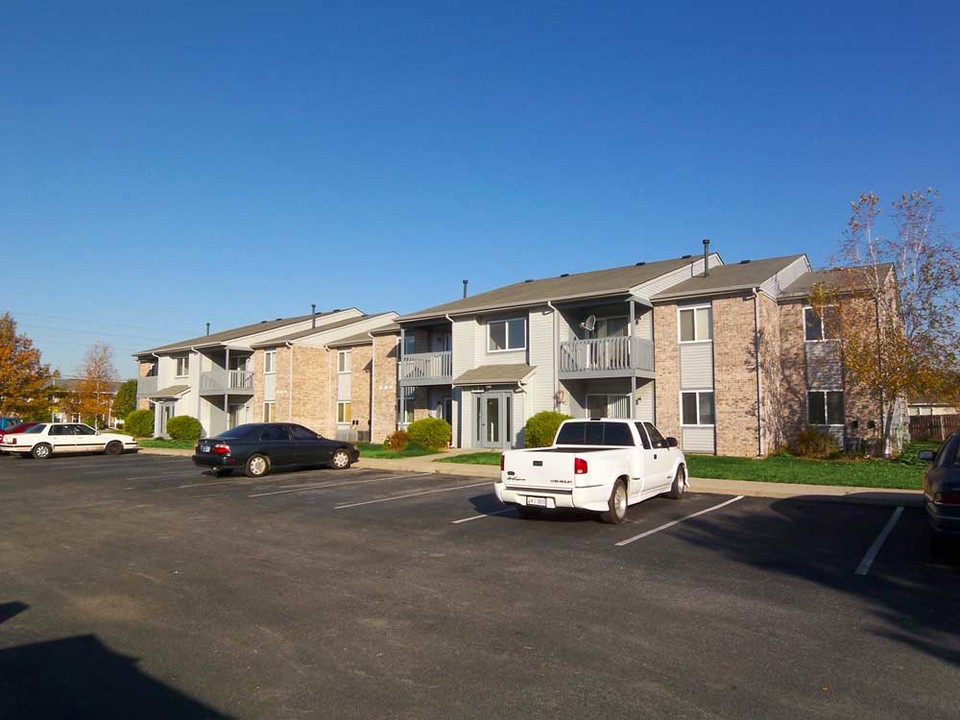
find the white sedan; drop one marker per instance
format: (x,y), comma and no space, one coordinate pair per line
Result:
(44,439)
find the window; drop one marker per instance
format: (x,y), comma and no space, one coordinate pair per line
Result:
(658,440)
(825,407)
(183,366)
(696,324)
(817,328)
(608,406)
(298,432)
(269,361)
(595,433)
(409,344)
(343,412)
(409,396)
(697,408)
(268,411)
(612,327)
(343,361)
(507,335)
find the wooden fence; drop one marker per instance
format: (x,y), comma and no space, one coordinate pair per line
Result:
(933,427)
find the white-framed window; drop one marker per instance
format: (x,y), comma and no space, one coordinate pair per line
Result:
(343,412)
(825,407)
(269,411)
(818,328)
(697,408)
(409,344)
(343,361)
(504,335)
(269,361)
(696,323)
(183,366)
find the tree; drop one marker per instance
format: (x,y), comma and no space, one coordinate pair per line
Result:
(22,375)
(96,378)
(125,401)
(898,304)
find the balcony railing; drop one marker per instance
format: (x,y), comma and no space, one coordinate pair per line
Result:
(226,381)
(432,368)
(147,386)
(606,356)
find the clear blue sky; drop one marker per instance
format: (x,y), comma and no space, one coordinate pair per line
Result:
(168,164)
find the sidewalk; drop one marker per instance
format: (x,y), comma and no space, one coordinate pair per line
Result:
(749,488)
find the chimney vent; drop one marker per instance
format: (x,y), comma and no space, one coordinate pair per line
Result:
(208,328)
(465,288)
(313,315)
(706,257)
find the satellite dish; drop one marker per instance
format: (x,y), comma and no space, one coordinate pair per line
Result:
(590,323)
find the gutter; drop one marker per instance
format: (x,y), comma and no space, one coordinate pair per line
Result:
(556,355)
(373,375)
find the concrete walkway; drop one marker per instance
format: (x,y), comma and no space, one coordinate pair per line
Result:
(750,488)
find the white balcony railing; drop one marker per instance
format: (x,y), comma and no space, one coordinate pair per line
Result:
(604,355)
(427,368)
(226,380)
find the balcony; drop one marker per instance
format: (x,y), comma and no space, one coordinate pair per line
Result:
(432,368)
(223,382)
(606,357)
(147,386)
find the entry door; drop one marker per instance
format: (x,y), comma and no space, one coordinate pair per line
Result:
(494,427)
(167,411)
(237,414)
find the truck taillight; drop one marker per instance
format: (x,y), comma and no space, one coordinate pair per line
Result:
(221,449)
(579,466)
(501,462)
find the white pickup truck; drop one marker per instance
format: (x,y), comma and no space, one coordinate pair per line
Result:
(600,465)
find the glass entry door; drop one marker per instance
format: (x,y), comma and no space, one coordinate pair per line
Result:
(494,420)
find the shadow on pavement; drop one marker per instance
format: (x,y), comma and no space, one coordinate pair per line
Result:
(81,678)
(11,609)
(910,588)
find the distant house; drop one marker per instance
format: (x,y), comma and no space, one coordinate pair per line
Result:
(65,401)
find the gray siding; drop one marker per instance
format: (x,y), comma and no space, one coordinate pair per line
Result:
(774,286)
(697,440)
(644,328)
(464,346)
(540,387)
(269,387)
(668,280)
(646,394)
(824,370)
(696,365)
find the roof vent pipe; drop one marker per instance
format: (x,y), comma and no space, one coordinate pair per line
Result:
(465,288)
(208,328)
(313,315)
(706,252)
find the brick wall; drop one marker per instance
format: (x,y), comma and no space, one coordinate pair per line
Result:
(735,378)
(771,376)
(667,357)
(385,386)
(256,411)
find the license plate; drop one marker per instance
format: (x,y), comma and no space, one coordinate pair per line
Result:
(537,501)
(204,448)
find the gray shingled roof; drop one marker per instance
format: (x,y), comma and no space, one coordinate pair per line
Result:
(364,338)
(849,279)
(728,278)
(170,392)
(495,375)
(225,336)
(595,283)
(272,342)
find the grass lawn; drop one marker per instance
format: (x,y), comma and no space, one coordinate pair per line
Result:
(905,472)
(170,444)
(477,458)
(375,450)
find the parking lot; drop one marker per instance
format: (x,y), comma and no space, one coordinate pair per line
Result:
(138,586)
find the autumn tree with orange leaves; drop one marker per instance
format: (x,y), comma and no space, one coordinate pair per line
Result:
(97,375)
(898,301)
(22,376)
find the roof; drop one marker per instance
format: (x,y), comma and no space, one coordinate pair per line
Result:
(307,332)
(595,283)
(849,279)
(495,375)
(173,391)
(73,385)
(225,336)
(744,275)
(364,337)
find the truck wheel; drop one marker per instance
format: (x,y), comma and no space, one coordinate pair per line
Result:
(679,484)
(617,504)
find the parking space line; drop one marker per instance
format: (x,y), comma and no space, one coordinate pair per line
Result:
(677,522)
(319,486)
(409,495)
(478,517)
(864,567)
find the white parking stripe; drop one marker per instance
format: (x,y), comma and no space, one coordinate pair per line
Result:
(864,567)
(677,522)
(409,495)
(318,486)
(477,517)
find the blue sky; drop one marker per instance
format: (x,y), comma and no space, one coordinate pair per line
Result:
(164,165)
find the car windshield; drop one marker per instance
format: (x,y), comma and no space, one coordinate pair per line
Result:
(240,432)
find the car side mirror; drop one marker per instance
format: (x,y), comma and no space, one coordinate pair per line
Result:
(925,455)
(672,442)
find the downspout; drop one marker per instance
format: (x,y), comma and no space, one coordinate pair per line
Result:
(455,432)
(556,356)
(633,373)
(373,370)
(157,410)
(400,389)
(761,445)
(197,387)
(226,394)
(290,383)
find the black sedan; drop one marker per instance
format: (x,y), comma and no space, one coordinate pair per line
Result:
(941,488)
(257,447)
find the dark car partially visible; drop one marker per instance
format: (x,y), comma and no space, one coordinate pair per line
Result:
(941,489)
(257,448)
